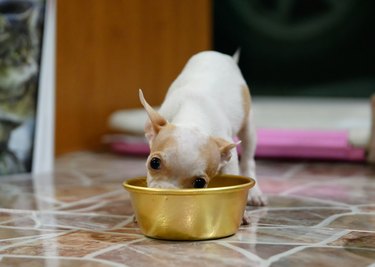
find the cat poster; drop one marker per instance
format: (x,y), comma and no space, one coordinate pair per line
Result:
(21,43)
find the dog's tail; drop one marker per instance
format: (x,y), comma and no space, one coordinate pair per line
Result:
(236,55)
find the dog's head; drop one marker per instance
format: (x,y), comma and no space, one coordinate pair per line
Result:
(181,156)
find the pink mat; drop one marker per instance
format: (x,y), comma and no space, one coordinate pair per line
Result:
(307,144)
(277,143)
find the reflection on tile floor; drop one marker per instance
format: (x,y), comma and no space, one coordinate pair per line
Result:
(320,214)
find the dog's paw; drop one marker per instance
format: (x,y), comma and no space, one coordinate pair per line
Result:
(245,219)
(257,201)
(256,198)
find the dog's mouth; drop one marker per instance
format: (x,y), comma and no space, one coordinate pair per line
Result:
(162,185)
(195,182)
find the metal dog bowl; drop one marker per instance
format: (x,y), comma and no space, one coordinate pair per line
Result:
(190,214)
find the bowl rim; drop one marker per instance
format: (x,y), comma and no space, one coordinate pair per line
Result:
(250,182)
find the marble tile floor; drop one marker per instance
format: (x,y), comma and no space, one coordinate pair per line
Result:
(320,214)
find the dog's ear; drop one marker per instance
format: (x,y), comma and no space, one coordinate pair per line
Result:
(156,121)
(225,148)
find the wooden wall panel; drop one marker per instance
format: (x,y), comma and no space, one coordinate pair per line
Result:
(107,49)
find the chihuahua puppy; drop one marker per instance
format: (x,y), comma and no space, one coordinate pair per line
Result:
(191,136)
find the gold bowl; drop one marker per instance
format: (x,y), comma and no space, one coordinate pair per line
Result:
(190,214)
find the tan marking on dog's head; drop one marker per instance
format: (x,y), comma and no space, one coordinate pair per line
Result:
(163,148)
(211,153)
(165,138)
(185,154)
(209,164)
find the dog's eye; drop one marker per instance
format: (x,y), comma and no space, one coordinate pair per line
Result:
(199,182)
(155,163)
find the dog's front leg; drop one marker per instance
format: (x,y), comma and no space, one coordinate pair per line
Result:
(247,164)
(232,167)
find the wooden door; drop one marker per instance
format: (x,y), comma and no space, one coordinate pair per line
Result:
(107,49)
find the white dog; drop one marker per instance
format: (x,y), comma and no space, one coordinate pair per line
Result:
(191,137)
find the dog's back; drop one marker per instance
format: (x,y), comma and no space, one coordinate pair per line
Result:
(210,83)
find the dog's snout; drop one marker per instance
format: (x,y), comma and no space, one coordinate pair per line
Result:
(162,184)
